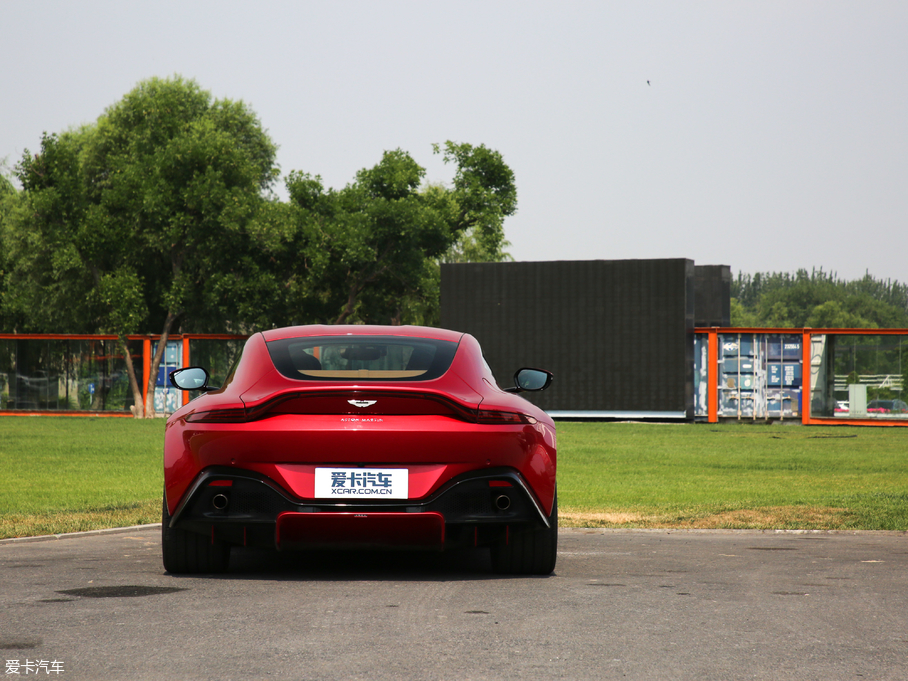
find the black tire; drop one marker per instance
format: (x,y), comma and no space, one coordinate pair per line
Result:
(191,553)
(530,551)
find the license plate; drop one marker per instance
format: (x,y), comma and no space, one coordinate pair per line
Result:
(361,483)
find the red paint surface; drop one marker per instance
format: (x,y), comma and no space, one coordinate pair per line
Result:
(285,428)
(393,530)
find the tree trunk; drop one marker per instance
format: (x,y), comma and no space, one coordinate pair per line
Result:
(348,308)
(355,289)
(155,364)
(138,409)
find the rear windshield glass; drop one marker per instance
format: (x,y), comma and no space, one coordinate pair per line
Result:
(362,358)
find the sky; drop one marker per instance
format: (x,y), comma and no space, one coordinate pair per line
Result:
(768,136)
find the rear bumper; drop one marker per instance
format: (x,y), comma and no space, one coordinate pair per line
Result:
(249,509)
(366,530)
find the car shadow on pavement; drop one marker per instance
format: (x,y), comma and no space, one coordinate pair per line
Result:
(355,565)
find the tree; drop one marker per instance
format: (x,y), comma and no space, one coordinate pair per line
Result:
(833,314)
(160,216)
(369,252)
(47,286)
(741,316)
(819,300)
(147,213)
(485,194)
(9,199)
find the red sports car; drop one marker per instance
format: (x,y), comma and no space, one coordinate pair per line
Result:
(360,437)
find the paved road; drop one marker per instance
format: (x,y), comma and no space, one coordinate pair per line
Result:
(622,605)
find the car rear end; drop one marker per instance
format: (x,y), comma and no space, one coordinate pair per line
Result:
(363,442)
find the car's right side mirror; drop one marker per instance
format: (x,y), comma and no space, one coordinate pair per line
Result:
(530,380)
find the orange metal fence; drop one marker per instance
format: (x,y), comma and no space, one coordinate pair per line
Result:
(70,374)
(76,374)
(819,383)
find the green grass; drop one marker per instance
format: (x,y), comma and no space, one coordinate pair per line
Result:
(64,474)
(733,475)
(69,474)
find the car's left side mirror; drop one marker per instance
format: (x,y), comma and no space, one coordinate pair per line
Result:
(190,378)
(530,380)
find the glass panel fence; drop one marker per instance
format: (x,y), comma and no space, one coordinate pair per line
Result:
(859,376)
(65,375)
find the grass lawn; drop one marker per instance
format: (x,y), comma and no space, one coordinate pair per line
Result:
(733,476)
(67,474)
(70,474)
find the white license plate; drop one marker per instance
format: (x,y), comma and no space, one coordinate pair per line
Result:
(361,483)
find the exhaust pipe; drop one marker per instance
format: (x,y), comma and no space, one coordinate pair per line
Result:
(220,501)
(503,502)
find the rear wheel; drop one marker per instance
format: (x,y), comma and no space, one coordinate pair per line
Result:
(528,551)
(188,552)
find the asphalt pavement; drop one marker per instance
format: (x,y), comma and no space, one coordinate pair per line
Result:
(621,605)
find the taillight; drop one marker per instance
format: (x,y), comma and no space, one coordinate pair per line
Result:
(504,418)
(217,416)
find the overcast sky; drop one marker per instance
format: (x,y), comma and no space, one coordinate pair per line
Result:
(768,136)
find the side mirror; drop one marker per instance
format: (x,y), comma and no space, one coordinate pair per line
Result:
(190,378)
(532,380)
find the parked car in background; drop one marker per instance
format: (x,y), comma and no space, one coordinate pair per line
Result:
(887,407)
(360,437)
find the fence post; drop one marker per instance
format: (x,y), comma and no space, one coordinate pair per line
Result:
(806,373)
(712,376)
(186,363)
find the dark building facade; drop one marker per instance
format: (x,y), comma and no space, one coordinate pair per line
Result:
(712,295)
(617,334)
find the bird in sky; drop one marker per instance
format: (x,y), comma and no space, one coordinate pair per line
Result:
(647,82)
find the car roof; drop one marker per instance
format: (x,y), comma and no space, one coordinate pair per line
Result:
(361,330)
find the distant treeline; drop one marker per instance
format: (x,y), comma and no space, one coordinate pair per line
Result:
(817,299)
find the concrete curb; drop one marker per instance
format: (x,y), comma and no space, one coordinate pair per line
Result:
(680,530)
(73,535)
(569,530)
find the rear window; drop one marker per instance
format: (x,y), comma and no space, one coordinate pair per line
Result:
(362,358)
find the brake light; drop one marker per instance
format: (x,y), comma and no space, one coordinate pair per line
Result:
(496,417)
(217,416)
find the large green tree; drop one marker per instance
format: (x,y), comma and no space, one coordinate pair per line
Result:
(369,252)
(144,217)
(159,217)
